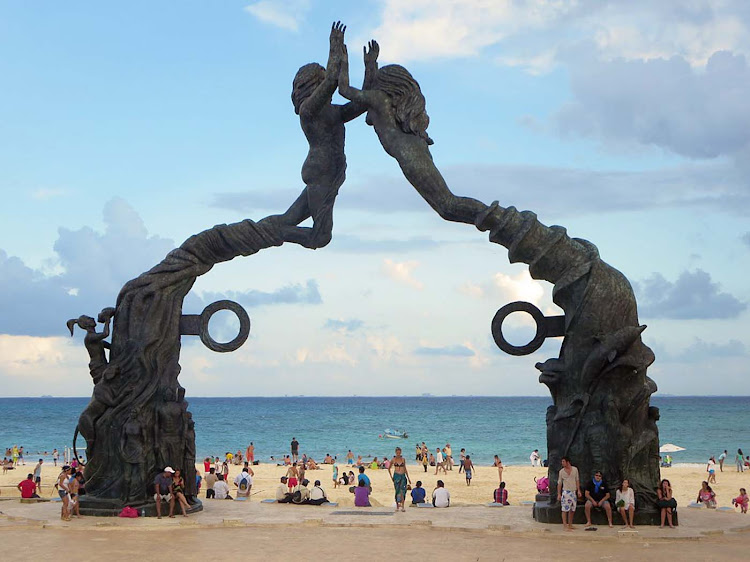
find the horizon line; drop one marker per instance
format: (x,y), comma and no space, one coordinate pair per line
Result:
(425,395)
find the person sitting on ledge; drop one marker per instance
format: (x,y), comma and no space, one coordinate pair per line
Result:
(500,495)
(221,489)
(418,494)
(440,496)
(163,485)
(625,502)
(597,496)
(317,495)
(302,493)
(28,488)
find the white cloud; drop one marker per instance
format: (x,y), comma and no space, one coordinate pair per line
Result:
(506,288)
(529,32)
(402,272)
(44,194)
(286,15)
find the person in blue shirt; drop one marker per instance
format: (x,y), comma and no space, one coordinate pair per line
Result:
(418,494)
(362,477)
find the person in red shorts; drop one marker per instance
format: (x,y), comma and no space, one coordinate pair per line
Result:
(28,488)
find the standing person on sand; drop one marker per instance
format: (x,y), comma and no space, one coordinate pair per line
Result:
(295,449)
(468,469)
(739,460)
(439,461)
(499,464)
(250,453)
(568,492)
(55,456)
(400,477)
(711,469)
(292,475)
(534,457)
(350,457)
(722,458)
(461,459)
(38,474)
(449,456)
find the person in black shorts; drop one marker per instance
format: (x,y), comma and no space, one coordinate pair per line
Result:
(295,449)
(597,495)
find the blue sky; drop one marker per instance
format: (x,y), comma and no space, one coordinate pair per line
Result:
(125,128)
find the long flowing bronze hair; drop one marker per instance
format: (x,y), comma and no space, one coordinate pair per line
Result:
(305,81)
(408,101)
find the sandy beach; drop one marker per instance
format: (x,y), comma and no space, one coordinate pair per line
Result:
(519,482)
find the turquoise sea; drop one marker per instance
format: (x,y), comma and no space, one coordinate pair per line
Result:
(507,426)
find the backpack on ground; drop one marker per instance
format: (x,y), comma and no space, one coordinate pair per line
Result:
(542,485)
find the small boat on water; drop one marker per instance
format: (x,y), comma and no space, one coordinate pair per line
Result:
(395,434)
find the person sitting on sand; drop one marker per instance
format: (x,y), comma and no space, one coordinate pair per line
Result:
(28,488)
(706,496)
(625,502)
(221,489)
(351,480)
(210,481)
(311,464)
(666,502)
(500,495)
(432,461)
(597,495)
(328,459)
(317,494)
(418,494)
(741,501)
(244,482)
(374,465)
(361,495)
(302,493)
(359,460)
(440,496)
(282,492)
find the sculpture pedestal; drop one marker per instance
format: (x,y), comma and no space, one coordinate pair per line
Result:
(549,512)
(112,508)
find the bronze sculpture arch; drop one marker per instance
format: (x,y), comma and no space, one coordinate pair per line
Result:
(138,421)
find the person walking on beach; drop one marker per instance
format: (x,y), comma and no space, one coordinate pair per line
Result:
(400,477)
(295,449)
(461,460)
(568,492)
(740,501)
(499,464)
(425,461)
(55,456)
(449,456)
(38,474)
(722,458)
(468,469)
(740,461)
(711,469)
(439,461)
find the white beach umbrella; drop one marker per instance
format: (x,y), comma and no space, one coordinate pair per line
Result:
(670,448)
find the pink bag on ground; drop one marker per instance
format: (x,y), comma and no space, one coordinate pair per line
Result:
(542,485)
(128,511)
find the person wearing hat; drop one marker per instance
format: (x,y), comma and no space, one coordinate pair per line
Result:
(163,490)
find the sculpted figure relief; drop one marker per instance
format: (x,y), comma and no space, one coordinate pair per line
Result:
(94,341)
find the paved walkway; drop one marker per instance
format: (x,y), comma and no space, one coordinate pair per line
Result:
(512,520)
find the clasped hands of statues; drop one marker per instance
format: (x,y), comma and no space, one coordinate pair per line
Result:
(339,55)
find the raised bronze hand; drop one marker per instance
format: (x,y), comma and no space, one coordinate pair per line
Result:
(371,52)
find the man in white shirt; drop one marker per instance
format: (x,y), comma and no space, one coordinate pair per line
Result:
(282,492)
(221,489)
(439,461)
(440,496)
(244,482)
(317,494)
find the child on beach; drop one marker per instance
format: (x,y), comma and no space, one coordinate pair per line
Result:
(742,501)
(706,496)
(425,462)
(468,469)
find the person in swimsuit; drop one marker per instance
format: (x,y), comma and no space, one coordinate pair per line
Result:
(400,476)
(468,469)
(74,483)
(62,490)
(499,464)
(292,475)
(178,489)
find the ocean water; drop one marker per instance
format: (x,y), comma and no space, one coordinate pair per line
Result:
(507,426)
